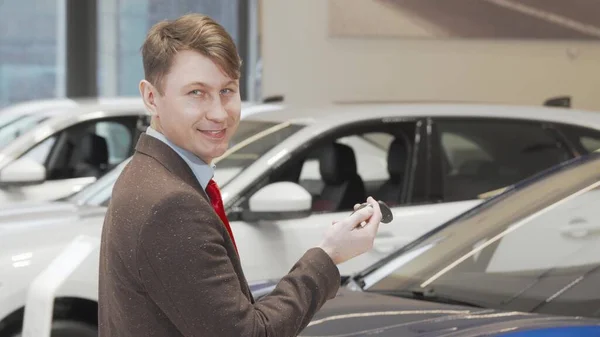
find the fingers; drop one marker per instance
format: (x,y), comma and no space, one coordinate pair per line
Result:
(373,223)
(357,217)
(374,203)
(356,206)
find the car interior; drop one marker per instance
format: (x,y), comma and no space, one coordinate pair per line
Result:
(341,171)
(92,157)
(397,164)
(85,150)
(342,186)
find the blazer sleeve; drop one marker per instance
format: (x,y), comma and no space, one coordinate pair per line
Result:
(185,268)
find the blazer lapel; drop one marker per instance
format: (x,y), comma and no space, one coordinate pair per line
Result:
(165,155)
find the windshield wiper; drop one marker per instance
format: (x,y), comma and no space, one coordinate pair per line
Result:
(427,295)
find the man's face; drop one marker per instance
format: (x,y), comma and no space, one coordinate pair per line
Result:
(200,107)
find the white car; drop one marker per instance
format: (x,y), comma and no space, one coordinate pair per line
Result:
(19,118)
(284,185)
(52,149)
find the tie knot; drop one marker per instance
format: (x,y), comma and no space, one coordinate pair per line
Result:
(212,189)
(211,184)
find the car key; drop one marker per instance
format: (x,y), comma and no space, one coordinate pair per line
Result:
(386,213)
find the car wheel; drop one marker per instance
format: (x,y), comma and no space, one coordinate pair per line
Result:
(63,328)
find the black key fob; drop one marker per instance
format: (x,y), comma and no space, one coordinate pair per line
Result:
(386,213)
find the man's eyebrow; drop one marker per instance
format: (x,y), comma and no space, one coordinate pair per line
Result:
(197,83)
(205,85)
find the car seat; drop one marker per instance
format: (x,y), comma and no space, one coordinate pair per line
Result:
(391,190)
(94,156)
(343,187)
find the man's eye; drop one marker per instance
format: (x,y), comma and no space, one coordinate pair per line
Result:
(226,91)
(196,92)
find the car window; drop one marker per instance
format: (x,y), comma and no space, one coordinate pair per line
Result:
(534,249)
(88,149)
(371,157)
(118,138)
(483,155)
(461,151)
(337,186)
(586,139)
(590,144)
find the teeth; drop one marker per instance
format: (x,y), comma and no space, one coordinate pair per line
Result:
(215,132)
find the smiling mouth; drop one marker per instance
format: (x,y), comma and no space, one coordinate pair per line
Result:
(214,134)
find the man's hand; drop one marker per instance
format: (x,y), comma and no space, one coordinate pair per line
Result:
(346,239)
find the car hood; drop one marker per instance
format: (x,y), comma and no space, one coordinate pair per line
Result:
(354,313)
(26,215)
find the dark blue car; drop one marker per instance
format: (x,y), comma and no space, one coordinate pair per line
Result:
(524,263)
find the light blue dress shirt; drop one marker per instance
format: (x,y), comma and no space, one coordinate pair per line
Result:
(203,171)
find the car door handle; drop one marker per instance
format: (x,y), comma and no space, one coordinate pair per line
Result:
(579,228)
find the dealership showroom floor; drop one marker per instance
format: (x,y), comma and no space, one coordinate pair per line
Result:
(474,125)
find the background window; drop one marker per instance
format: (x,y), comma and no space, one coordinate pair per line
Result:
(30,63)
(123,25)
(28,46)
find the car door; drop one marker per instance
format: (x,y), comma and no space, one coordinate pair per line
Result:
(77,156)
(269,248)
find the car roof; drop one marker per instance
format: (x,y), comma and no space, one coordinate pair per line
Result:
(64,104)
(347,113)
(107,106)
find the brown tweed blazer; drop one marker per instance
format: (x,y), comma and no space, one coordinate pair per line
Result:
(169,268)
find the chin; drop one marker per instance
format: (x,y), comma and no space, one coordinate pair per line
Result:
(214,153)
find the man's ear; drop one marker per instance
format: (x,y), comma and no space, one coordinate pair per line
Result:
(148,92)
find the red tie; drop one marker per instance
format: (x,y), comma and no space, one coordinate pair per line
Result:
(212,189)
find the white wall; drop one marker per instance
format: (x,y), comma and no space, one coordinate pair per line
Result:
(302,62)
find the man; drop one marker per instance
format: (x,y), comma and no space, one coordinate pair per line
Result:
(168,262)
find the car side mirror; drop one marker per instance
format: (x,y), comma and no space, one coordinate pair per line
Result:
(24,171)
(279,201)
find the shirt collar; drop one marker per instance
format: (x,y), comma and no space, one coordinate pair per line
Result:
(203,171)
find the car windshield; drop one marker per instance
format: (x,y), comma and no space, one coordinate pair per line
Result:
(12,126)
(535,248)
(251,141)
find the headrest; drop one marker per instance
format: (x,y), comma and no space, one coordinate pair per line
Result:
(337,163)
(397,158)
(95,149)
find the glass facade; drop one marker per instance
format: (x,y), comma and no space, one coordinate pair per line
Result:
(28,45)
(135,17)
(31,54)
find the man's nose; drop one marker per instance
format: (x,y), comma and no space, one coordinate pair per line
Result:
(217,111)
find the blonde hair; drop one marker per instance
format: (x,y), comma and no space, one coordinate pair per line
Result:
(195,32)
